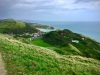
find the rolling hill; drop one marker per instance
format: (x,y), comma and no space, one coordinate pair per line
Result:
(14,26)
(69,42)
(11,23)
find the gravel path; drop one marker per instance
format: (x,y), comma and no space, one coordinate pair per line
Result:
(2,69)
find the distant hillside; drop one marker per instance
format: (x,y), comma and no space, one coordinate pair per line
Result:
(19,27)
(69,42)
(11,23)
(40,26)
(27,59)
(15,27)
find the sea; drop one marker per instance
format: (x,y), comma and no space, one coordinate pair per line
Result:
(87,28)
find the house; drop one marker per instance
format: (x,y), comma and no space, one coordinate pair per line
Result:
(36,34)
(35,37)
(83,38)
(75,41)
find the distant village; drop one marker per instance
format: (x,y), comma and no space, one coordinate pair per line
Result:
(37,35)
(32,36)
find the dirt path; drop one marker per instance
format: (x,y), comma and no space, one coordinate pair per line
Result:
(2,69)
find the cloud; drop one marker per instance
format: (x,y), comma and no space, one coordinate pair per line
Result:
(95,4)
(86,1)
(8,7)
(47,4)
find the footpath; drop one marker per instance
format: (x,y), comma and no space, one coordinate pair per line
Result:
(2,68)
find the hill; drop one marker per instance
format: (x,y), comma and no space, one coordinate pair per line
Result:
(69,42)
(11,23)
(40,26)
(27,59)
(11,26)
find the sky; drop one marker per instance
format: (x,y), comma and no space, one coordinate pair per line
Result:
(51,10)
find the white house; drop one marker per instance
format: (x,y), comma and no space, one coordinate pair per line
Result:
(83,38)
(75,41)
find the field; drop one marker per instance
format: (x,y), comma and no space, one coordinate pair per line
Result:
(39,42)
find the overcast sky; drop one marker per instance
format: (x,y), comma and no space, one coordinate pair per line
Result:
(51,10)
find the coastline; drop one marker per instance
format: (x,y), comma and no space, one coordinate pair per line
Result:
(87,28)
(45,30)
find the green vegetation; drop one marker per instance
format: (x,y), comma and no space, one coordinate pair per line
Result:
(11,23)
(40,26)
(39,42)
(63,40)
(27,59)
(62,37)
(11,26)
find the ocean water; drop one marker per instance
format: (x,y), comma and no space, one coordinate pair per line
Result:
(87,28)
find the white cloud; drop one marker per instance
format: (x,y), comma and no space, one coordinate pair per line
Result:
(50,6)
(22,5)
(95,5)
(86,1)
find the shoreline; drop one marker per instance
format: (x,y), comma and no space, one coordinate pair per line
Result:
(46,30)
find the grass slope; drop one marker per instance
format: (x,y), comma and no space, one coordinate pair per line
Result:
(15,27)
(11,23)
(39,42)
(26,59)
(83,46)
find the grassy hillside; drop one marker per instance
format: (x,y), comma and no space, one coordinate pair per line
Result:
(82,45)
(40,26)
(10,26)
(27,59)
(11,23)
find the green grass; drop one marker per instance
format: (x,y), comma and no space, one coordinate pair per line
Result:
(1,30)
(70,49)
(61,50)
(27,59)
(40,42)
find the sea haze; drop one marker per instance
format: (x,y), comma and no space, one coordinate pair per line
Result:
(87,28)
